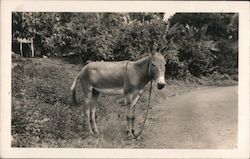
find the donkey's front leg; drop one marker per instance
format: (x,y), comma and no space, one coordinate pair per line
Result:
(134,101)
(129,116)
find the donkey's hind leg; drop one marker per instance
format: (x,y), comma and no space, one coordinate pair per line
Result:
(92,120)
(88,111)
(92,112)
(94,103)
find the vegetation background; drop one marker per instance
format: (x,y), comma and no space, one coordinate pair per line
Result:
(201,49)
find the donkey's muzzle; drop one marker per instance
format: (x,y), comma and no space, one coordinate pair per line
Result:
(160,85)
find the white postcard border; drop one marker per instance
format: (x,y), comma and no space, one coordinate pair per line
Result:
(8,6)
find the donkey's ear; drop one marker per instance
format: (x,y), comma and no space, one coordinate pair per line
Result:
(155,53)
(163,48)
(165,55)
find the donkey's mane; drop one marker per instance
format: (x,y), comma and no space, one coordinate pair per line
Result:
(143,60)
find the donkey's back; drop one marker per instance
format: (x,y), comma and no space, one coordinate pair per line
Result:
(104,77)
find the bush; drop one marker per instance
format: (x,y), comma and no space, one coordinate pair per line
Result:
(199,43)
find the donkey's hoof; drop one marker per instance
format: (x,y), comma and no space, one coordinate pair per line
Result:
(96,133)
(91,133)
(129,134)
(133,132)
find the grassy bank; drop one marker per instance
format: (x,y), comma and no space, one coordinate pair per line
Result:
(40,106)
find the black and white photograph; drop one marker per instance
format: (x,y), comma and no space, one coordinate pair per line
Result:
(126,80)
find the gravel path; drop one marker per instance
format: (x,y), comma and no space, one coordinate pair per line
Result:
(202,119)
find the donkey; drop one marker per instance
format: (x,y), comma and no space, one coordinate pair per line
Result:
(118,78)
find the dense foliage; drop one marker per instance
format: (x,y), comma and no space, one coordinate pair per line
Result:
(193,44)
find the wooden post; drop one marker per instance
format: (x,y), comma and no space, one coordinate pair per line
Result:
(32,48)
(21,49)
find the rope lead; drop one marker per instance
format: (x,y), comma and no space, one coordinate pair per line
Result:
(144,122)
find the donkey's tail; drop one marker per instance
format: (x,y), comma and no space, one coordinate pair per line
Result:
(73,91)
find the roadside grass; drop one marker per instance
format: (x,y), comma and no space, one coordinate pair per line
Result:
(40,114)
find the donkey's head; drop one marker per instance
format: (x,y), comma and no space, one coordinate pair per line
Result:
(157,69)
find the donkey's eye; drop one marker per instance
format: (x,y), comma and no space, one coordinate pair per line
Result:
(153,65)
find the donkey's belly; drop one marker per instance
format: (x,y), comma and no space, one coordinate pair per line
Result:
(111,91)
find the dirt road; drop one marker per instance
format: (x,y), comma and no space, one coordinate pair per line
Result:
(202,119)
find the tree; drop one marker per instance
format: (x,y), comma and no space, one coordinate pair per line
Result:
(217,44)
